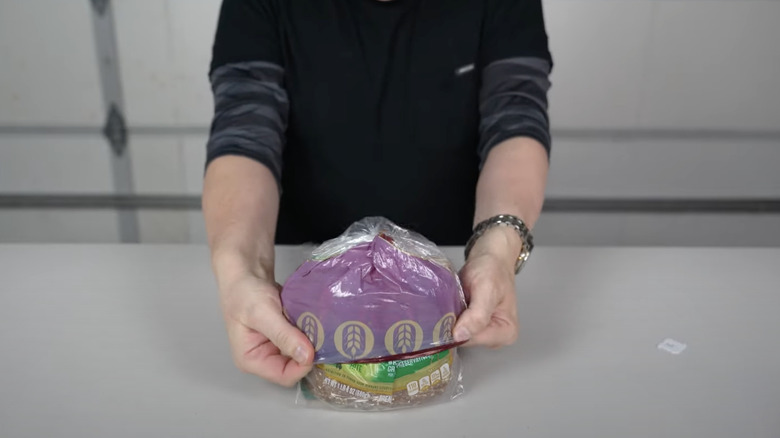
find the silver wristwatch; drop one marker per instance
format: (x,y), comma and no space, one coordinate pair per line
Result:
(510,221)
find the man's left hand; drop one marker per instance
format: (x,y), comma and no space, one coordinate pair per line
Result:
(488,279)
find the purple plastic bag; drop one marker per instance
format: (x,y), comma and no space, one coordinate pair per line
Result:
(377,292)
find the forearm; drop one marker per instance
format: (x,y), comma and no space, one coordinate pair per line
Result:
(514,139)
(512,181)
(240,206)
(244,154)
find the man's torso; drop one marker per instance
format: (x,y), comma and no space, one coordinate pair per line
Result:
(384,115)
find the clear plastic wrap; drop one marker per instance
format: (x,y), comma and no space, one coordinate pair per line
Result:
(378,304)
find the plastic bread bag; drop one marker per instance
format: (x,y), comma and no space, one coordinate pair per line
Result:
(378,304)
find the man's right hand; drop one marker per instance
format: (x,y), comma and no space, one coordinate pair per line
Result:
(240,205)
(263,342)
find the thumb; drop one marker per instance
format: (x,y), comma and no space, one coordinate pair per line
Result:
(477,317)
(290,341)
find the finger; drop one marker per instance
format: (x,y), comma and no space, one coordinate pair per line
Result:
(267,362)
(263,358)
(499,333)
(474,319)
(503,327)
(268,319)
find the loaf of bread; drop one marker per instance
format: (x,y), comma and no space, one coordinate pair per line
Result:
(378,304)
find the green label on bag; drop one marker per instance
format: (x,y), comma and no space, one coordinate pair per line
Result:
(388,377)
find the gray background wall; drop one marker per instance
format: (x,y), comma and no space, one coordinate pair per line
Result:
(662,100)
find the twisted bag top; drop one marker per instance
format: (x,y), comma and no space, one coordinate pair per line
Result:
(377,291)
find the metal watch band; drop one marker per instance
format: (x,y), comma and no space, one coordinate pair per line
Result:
(510,221)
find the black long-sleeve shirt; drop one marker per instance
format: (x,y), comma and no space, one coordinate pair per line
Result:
(363,108)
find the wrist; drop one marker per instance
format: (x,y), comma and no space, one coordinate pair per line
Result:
(501,242)
(231,265)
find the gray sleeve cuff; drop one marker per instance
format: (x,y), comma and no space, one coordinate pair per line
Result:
(513,103)
(250,114)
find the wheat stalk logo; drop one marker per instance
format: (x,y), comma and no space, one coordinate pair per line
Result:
(446,329)
(312,328)
(354,340)
(442,332)
(404,337)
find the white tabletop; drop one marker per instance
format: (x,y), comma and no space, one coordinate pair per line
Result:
(127,341)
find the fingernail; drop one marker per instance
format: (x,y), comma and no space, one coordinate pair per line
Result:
(300,355)
(462,334)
